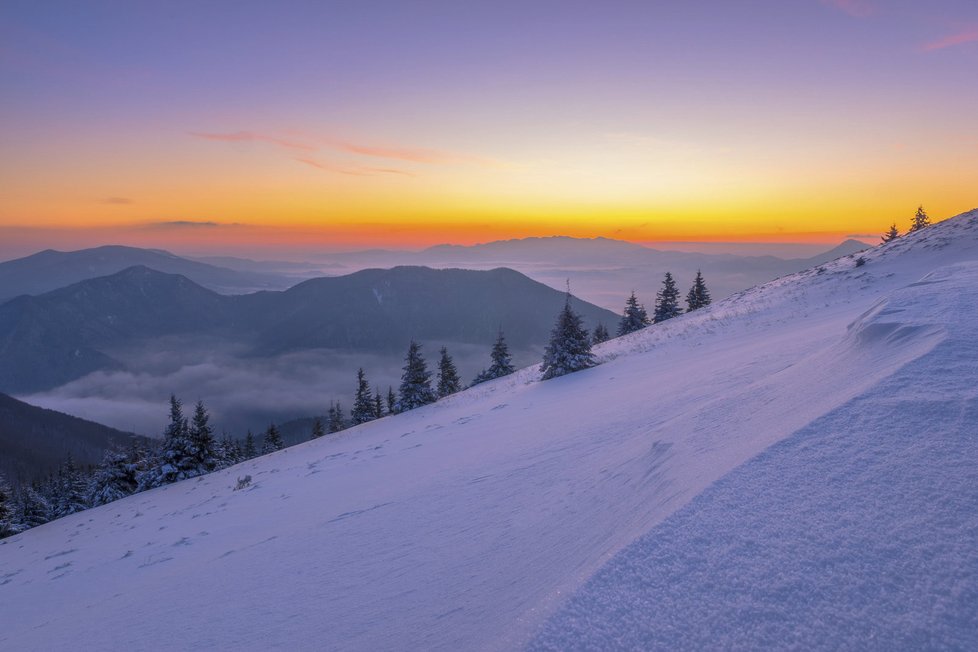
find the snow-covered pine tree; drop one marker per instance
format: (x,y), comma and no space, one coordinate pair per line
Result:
(391,401)
(600,334)
(667,301)
(318,430)
(569,349)
(415,389)
(114,478)
(363,404)
(698,296)
(72,490)
(272,441)
(448,380)
(8,513)
(920,220)
(250,450)
(378,403)
(204,446)
(501,362)
(633,317)
(335,421)
(229,451)
(175,459)
(33,507)
(891,234)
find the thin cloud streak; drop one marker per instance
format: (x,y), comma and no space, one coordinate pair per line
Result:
(250,136)
(951,40)
(360,171)
(186,224)
(116,201)
(314,144)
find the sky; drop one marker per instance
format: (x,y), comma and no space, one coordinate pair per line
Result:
(244,127)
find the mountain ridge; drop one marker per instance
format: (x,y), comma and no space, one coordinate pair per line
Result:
(51,339)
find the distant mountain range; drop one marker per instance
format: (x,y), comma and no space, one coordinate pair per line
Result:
(35,441)
(601,270)
(59,336)
(48,270)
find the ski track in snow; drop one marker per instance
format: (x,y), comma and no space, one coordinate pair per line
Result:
(791,467)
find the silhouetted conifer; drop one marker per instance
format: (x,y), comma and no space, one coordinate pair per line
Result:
(667,301)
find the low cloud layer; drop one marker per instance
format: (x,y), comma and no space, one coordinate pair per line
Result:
(241,393)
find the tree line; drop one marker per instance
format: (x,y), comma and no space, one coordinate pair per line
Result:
(189,447)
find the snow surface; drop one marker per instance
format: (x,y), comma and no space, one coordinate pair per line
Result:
(792,467)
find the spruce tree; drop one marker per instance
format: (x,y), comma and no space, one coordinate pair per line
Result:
(114,478)
(335,422)
(448,380)
(569,349)
(600,334)
(892,234)
(250,450)
(378,403)
(8,513)
(33,507)
(920,220)
(229,451)
(501,362)
(633,318)
(667,301)
(175,459)
(391,401)
(317,428)
(698,296)
(363,404)
(272,441)
(72,490)
(205,456)
(415,389)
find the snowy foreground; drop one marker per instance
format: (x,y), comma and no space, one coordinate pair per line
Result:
(794,467)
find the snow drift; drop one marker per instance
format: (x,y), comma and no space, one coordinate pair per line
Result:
(791,467)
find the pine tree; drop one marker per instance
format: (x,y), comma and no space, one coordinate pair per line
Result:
(205,457)
(317,428)
(71,490)
(892,234)
(920,220)
(114,478)
(415,389)
(249,451)
(363,404)
(272,441)
(448,380)
(698,296)
(633,318)
(175,459)
(391,401)
(33,508)
(569,349)
(378,403)
(667,301)
(600,334)
(229,452)
(8,513)
(335,421)
(501,362)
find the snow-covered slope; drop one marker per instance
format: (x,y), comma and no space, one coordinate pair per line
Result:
(793,466)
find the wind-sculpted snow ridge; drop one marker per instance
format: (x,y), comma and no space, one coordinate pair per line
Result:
(469,523)
(859,531)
